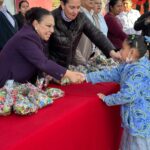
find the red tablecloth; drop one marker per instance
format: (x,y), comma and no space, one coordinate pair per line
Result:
(78,121)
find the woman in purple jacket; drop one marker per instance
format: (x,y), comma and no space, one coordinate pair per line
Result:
(23,56)
(115,28)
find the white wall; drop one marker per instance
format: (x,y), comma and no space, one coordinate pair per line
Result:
(10,5)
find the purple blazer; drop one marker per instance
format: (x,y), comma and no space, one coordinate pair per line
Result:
(23,57)
(115,30)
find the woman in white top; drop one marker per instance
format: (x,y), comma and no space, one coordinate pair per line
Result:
(128,18)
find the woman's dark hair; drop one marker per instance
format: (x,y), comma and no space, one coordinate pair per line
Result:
(36,13)
(137,41)
(23,1)
(112,3)
(64,1)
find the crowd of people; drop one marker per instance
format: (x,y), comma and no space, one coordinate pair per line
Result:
(36,42)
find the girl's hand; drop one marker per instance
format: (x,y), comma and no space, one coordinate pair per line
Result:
(101,96)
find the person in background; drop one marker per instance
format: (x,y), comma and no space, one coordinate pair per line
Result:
(115,28)
(70,23)
(23,56)
(128,18)
(98,17)
(85,47)
(20,17)
(88,57)
(142,5)
(8,25)
(143,24)
(134,95)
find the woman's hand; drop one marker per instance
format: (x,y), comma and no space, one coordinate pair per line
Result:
(74,77)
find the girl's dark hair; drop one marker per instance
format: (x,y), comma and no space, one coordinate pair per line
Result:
(64,1)
(20,3)
(36,13)
(112,3)
(137,41)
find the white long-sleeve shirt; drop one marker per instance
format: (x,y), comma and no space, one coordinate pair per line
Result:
(3,9)
(128,19)
(103,25)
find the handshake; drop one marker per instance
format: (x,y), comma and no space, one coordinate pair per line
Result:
(69,78)
(74,77)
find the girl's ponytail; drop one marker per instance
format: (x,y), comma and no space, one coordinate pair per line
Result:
(138,42)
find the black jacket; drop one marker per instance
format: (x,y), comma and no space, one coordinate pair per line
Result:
(66,36)
(6,29)
(140,24)
(20,20)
